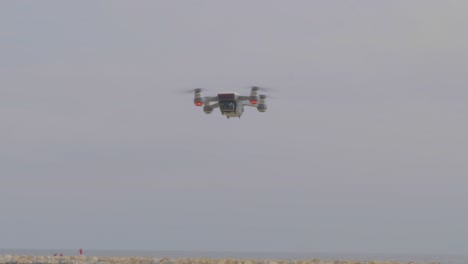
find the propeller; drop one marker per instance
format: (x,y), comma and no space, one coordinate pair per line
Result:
(196,90)
(263,96)
(256,88)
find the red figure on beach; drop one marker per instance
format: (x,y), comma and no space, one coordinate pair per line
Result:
(81,251)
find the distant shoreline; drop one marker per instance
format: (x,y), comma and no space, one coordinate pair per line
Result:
(154,260)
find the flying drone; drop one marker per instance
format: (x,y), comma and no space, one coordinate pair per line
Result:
(231,104)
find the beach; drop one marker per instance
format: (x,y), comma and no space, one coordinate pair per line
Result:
(17,259)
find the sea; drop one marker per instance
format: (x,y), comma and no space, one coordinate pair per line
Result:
(443,259)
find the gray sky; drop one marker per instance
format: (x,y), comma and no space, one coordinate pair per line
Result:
(364,149)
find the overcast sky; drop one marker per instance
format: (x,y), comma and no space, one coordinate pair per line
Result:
(364,148)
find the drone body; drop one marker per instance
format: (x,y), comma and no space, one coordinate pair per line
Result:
(230,104)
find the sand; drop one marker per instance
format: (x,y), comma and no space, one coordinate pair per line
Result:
(152,260)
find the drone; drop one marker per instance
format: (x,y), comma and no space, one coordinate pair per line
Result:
(231,104)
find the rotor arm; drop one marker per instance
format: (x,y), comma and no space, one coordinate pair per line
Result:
(215,105)
(208,108)
(259,103)
(250,104)
(251,100)
(210,99)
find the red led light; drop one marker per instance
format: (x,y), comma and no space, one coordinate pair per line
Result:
(199,103)
(253,101)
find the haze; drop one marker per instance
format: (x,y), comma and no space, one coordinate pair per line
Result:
(363,149)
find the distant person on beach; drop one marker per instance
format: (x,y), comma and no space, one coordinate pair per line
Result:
(81,251)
